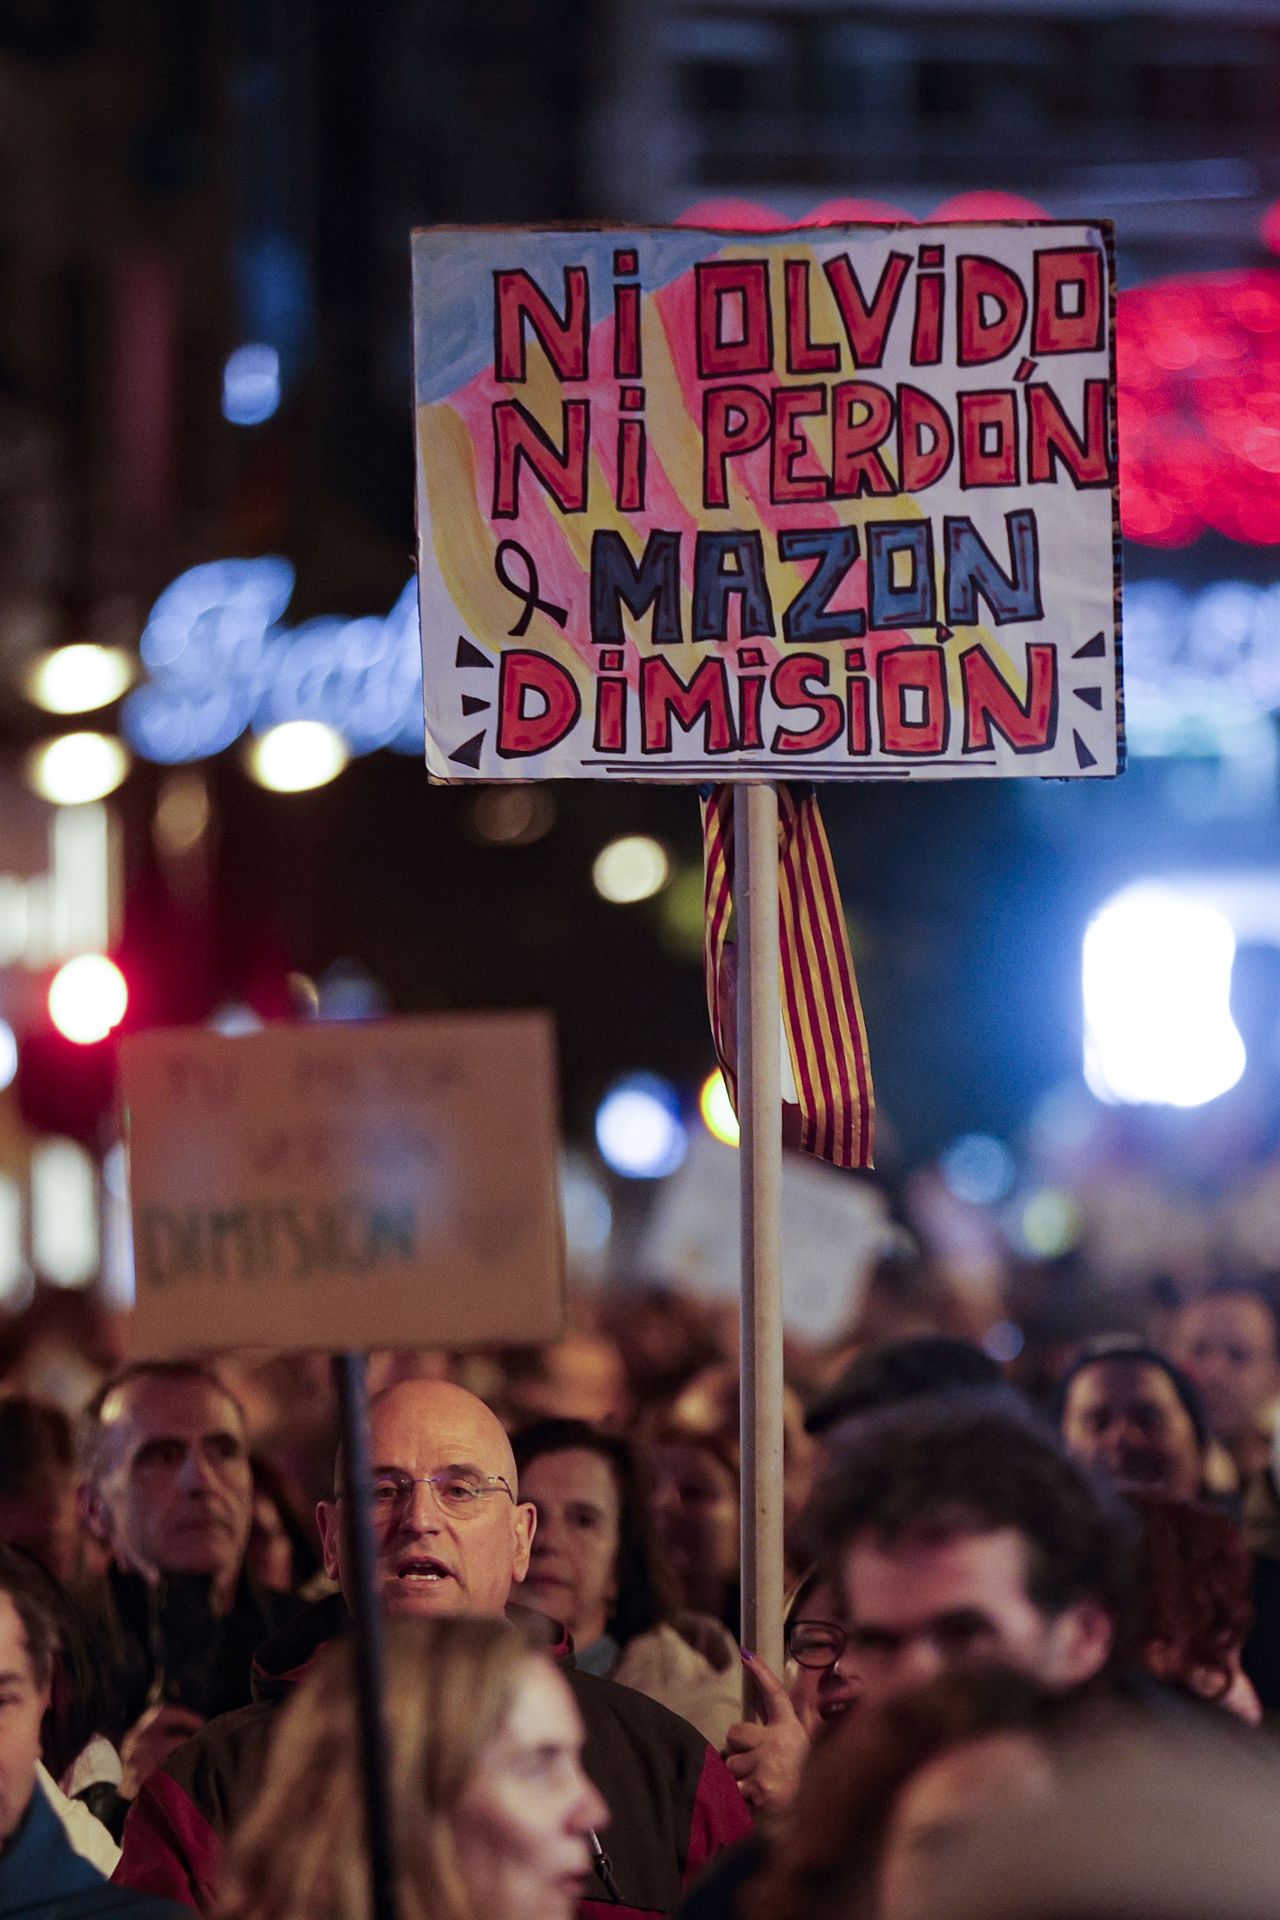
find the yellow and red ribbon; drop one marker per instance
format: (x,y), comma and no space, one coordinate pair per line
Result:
(821,1013)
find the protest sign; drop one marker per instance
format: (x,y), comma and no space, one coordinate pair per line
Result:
(837,503)
(341,1187)
(835,1229)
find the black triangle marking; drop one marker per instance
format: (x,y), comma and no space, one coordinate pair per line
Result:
(1095,649)
(1092,697)
(472,703)
(468,754)
(1083,756)
(944,634)
(470,656)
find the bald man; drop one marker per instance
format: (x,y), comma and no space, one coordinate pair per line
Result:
(451,1535)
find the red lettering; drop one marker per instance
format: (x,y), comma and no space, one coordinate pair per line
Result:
(866,326)
(856,467)
(804,355)
(734,420)
(663,693)
(750,695)
(735,320)
(518,437)
(920,464)
(988,440)
(926,338)
(790,446)
(631,465)
(519,298)
(989,700)
(791,687)
(1051,437)
(626,332)
(981,339)
(921,726)
(859,735)
(611,716)
(521,731)
(1069,288)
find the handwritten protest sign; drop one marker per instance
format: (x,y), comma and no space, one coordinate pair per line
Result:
(345,1186)
(837,503)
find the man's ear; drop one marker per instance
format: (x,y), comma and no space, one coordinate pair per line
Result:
(526,1525)
(1085,1633)
(327,1521)
(94,1514)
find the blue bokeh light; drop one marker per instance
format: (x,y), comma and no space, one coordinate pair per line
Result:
(978,1168)
(221,662)
(251,384)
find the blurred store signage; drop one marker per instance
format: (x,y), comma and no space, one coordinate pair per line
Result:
(220,662)
(59,881)
(1193,657)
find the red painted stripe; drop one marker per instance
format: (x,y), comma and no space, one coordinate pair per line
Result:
(844,959)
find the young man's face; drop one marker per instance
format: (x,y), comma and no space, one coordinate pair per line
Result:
(23,1705)
(920,1605)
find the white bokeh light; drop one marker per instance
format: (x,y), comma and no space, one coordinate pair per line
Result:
(1157,984)
(77,768)
(298,755)
(639,1130)
(633,868)
(87,998)
(78,678)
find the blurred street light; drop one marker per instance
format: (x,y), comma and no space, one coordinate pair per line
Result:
(77,768)
(78,678)
(296,756)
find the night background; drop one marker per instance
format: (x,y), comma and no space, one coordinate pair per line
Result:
(205,357)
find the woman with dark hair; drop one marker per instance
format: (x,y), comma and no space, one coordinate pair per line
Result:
(595,1570)
(1193,1607)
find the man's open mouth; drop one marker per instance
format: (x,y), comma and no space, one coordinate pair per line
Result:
(421,1569)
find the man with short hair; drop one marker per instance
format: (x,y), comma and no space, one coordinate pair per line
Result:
(41,1873)
(963,1533)
(1226,1341)
(166,1490)
(1129,1412)
(451,1536)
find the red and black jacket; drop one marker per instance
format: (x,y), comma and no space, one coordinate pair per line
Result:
(674,1804)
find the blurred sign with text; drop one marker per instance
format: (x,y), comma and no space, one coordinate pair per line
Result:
(335,1187)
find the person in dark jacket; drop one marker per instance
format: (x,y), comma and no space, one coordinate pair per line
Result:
(166,1490)
(40,1873)
(451,1536)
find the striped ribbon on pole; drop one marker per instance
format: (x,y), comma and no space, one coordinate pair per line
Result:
(822,1019)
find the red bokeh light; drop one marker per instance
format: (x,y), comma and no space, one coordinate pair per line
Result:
(735,216)
(988,203)
(1199,408)
(1198,361)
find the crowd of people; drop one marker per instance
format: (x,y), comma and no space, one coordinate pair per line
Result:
(1032,1638)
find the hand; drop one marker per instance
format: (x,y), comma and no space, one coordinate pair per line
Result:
(150,1741)
(766,1758)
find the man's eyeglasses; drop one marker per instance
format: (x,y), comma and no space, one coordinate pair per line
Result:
(461,1494)
(816,1643)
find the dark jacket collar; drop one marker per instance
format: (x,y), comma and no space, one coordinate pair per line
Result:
(285,1656)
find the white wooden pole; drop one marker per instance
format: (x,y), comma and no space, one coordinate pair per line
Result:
(755,817)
